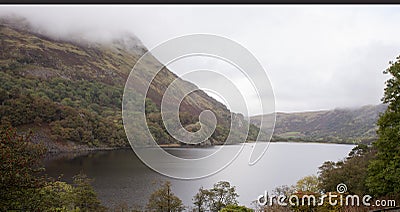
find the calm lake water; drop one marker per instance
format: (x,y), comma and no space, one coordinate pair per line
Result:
(121,177)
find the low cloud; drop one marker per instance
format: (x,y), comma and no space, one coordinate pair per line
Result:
(316,57)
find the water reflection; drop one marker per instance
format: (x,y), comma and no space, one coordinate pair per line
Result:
(121,177)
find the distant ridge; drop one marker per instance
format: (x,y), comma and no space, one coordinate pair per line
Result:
(342,125)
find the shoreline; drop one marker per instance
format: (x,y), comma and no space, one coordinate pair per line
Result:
(83,148)
(80,149)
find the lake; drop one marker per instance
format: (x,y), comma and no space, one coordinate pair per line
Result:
(120,176)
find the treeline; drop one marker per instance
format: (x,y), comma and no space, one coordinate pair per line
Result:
(83,111)
(66,123)
(334,140)
(191,124)
(75,114)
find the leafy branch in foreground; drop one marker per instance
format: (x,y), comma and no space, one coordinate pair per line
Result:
(384,170)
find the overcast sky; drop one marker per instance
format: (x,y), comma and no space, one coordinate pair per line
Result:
(316,57)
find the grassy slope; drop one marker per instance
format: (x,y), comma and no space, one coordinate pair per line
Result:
(339,125)
(73,89)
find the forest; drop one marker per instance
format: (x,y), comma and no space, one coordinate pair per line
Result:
(74,107)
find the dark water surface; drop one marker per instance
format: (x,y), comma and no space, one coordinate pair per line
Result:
(121,177)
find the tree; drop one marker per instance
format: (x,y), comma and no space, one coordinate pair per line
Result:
(384,170)
(22,188)
(284,190)
(352,171)
(236,208)
(308,183)
(85,198)
(58,196)
(163,200)
(200,199)
(223,194)
(216,198)
(20,165)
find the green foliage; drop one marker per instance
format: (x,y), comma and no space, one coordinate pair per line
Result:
(253,132)
(216,198)
(308,184)
(20,164)
(302,197)
(85,197)
(156,125)
(123,206)
(76,90)
(221,133)
(352,126)
(80,111)
(88,79)
(163,200)
(200,200)
(373,170)
(61,196)
(58,196)
(236,208)
(83,111)
(66,123)
(352,171)
(284,190)
(150,107)
(23,188)
(384,169)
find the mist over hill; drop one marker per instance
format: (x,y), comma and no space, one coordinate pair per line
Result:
(69,89)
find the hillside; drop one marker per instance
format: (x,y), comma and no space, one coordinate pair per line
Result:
(333,126)
(69,91)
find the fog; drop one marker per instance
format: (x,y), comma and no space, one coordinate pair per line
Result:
(316,57)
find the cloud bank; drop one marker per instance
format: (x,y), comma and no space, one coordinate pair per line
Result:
(316,57)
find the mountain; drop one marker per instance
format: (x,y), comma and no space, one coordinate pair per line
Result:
(333,126)
(69,90)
